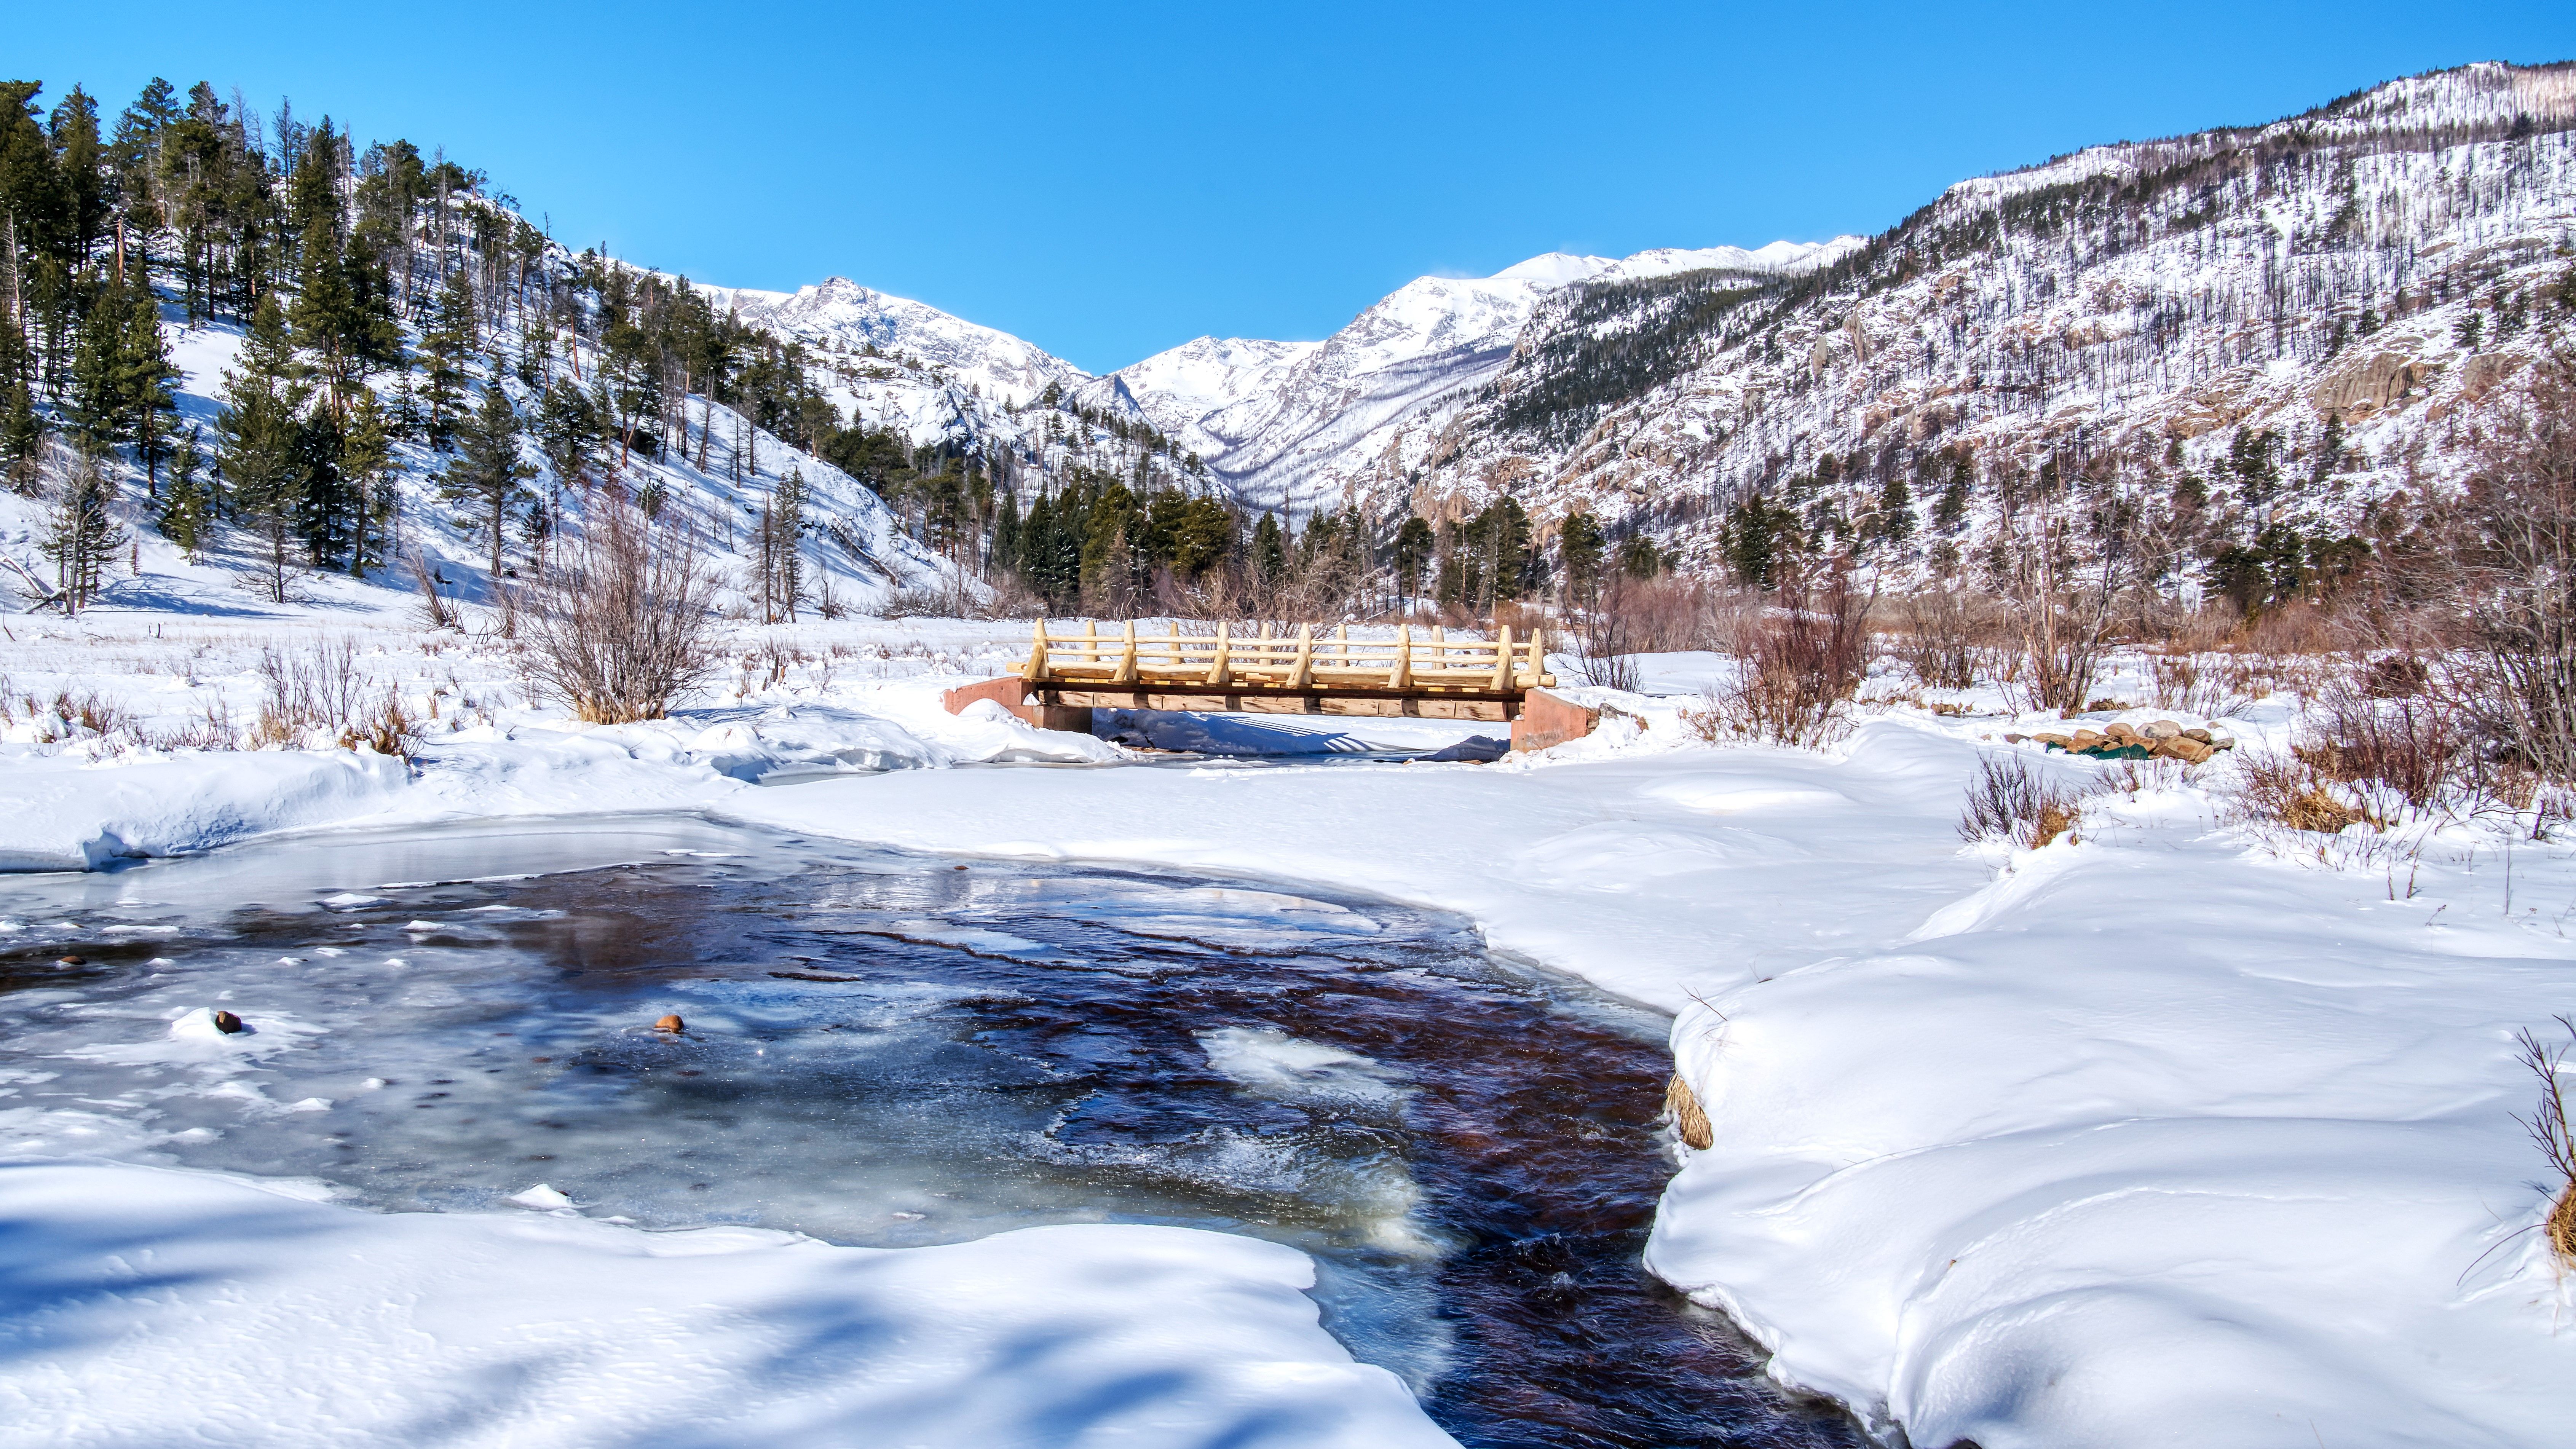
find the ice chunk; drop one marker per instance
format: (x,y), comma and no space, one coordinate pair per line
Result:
(543,1195)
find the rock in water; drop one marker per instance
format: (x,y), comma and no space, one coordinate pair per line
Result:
(227,1023)
(668,1023)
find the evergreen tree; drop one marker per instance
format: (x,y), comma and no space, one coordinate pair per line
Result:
(22,439)
(1894,520)
(567,428)
(144,377)
(1579,543)
(1414,544)
(187,505)
(1269,550)
(1950,510)
(443,350)
(488,479)
(259,444)
(367,464)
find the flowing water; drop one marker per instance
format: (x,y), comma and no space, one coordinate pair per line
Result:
(890,1050)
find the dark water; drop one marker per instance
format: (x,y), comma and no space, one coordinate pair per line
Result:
(890,1050)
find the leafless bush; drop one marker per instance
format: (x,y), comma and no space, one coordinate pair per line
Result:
(321,689)
(2412,747)
(2063,593)
(2213,686)
(918,604)
(1797,667)
(624,622)
(2511,564)
(2548,1127)
(2010,800)
(1945,637)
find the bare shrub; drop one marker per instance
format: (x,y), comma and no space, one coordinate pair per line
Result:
(624,622)
(2548,1127)
(2010,800)
(321,689)
(2511,564)
(2412,747)
(918,604)
(1943,634)
(1797,667)
(2066,605)
(2212,686)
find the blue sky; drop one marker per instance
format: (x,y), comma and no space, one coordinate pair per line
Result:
(1108,181)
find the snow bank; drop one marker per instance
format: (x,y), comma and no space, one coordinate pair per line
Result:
(64,812)
(2158,1146)
(151,1306)
(2149,1139)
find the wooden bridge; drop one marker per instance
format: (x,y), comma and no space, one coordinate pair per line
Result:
(1428,675)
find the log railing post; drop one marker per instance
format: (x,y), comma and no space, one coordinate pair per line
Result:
(1304,674)
(1221,668)
(1127,657)
(1503,657)
(1401,676)
(1036,668)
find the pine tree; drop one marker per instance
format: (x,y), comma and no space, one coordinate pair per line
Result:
(144,376)
(1894,520)
(488,479)
(1269,549)
(22,439)
(443,350)
(187,505)
(98,415)
(1950,510)
(259,443)
(1579,543)
(567,428)
(366,462)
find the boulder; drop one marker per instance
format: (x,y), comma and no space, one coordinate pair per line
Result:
(2189,751)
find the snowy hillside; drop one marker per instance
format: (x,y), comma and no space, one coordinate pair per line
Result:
(856,553)
(1306,426)
(2378,262)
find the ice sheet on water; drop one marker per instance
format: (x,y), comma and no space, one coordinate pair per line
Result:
(1277,1064)
(1229,918)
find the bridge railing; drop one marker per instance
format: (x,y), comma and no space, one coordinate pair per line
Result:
(1426,665)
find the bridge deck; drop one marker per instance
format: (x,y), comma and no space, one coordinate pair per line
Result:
(1282,673)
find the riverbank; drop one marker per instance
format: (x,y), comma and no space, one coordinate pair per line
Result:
(2152,1134)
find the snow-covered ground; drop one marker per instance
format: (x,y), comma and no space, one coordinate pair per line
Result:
(2159,1134)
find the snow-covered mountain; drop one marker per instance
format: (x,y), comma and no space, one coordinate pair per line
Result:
(1308,425)
(2381,261)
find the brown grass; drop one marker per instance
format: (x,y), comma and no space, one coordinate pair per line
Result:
(2549,1131)
(2292,791)
(1690,1122)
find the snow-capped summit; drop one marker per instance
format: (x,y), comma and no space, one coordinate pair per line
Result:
(1300,425)
(840,315)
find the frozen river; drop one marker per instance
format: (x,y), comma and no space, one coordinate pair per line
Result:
(896,1050)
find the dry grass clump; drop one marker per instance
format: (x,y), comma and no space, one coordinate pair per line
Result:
(2549,1131)
(1690,1122)
(2009,800)
(2292,792)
